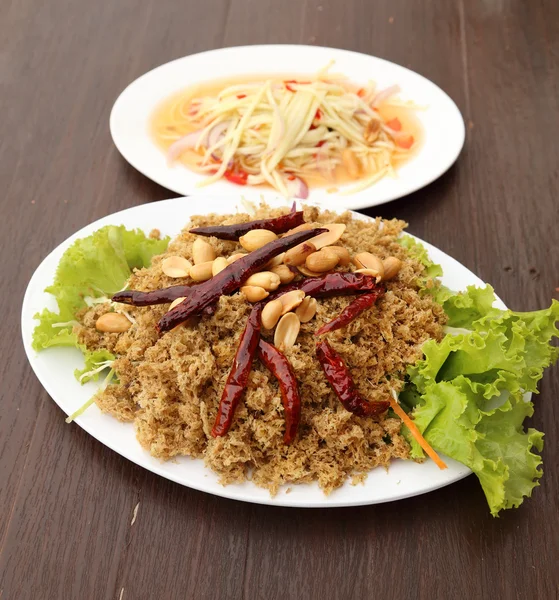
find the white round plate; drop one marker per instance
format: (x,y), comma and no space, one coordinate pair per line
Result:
(131,114)
(55,369)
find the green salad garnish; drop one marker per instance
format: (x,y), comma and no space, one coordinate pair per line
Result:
(91,271)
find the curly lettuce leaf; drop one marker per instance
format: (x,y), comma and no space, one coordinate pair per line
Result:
(490,441)
(418,251)
(95,362)
(465,308)
(54,329)
(467,394)
(95,266)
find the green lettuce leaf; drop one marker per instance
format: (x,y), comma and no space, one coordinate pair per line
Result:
(465,308)
(419,252)
(467,394)
(54,329)
(492,442)
(95,362)
(96,266)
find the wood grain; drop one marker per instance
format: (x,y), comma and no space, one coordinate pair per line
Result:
(67,502)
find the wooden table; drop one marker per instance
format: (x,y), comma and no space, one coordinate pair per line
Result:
(67,502)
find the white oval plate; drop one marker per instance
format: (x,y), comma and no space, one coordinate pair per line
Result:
(55,367)
(131,114)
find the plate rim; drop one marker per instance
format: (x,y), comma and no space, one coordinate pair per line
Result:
(230,491)
(269,193)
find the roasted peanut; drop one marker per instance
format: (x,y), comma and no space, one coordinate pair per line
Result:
(366,260)
(254,293)
(175,266)
(277,260)
(321,261)
(285,274)
(372,130)
(307,309)
(334,233)
(298,255)
(291,300)
(307,272)
(265,279)
(351,163)
(236,256)
(176,302)
(287,331)
(256,239)
(392,266)
(112,323)
(303,227)
(202,271)
(342,253)
(271,313)
(370,272)
(219,264)
(202,251)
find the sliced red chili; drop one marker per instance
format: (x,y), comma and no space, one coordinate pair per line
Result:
(340,379)
(241,96)
(361,92)
(318,115)
(291,400)
(239,177)
(294,81)
(351,312)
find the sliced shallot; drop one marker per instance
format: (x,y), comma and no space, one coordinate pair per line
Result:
(297,188)
(383,95)
(184,143)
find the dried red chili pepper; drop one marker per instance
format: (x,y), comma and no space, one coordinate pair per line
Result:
(162,296)
(137,298)
(339,377)
(238,376)
(281,369)
(333,284)
(231,278)
(234,232)
(351,311)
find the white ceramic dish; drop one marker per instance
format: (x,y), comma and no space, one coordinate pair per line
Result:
(55,367)
(441,119)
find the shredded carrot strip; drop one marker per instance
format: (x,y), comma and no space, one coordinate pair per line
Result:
(416,433)
(405,142)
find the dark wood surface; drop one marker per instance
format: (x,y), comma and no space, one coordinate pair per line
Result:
(66,502)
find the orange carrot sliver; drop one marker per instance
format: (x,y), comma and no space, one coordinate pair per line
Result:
(394,124)
(416,433)
(405,142)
